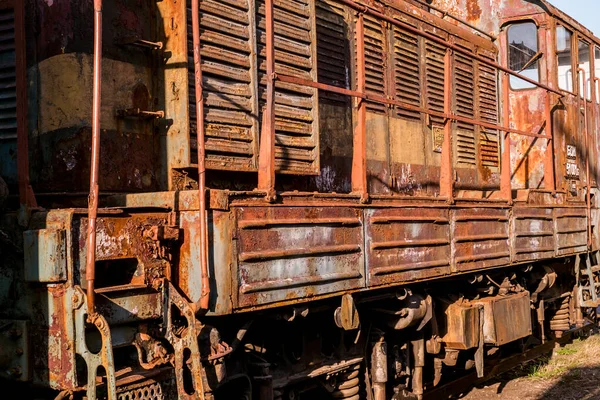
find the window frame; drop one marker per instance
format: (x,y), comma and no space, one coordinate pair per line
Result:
(574,58)
(509,25)
(596,65)
(590,74)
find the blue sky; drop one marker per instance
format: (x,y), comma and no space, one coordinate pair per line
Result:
(587,12)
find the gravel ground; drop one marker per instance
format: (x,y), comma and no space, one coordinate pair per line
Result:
(572,373)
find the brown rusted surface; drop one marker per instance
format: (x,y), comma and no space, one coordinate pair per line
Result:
(480,238)
(571,230)
(289,253)
(506,318)
(405,244)
(532,236)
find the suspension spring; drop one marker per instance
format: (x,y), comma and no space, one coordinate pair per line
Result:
(348,384)
(560,321)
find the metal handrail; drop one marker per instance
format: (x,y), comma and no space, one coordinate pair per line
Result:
(359,181)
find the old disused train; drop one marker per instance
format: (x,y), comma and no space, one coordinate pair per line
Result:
(342,199)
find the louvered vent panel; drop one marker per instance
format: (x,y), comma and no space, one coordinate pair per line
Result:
(434,78)
(374,62)
(464,88)
(488,112)
(407,80)
(295,107)
(8,86)
(332,48)
(230,111)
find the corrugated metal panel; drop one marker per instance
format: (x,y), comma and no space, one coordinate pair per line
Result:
(228,69)
(488,111)
(405,244)
(375,61)
(434,78)
(333,51)
(288,253)
(571,230)
(464,89)
(533,234)
(407,71)
(296,108)
(480,238)
(8,98)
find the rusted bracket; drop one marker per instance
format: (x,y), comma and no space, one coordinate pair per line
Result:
(587,276)
(137,42)
(102,359)
(185,342)
(138,113)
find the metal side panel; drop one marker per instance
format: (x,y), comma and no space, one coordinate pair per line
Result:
(480,237)
(533,234)
(287,253)
(571,230)
(405,244)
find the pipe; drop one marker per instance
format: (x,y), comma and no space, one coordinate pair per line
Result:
(359,145)
(549,183)
(505,173)
(418,348)
(90,269)
(379,369)
(240,335)
(203,302)
(447,172)
(266,167)
(587,159)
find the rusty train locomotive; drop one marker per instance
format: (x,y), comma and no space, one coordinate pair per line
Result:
(344,199)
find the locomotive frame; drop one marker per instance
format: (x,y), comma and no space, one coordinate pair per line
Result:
(291,288)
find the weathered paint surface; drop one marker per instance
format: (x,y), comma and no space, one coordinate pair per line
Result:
(422,105)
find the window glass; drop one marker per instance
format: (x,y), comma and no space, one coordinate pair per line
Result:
(597,72)
(523,54)
(583,54)
(564,58)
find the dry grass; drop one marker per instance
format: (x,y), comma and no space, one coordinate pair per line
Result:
(579,354)
(571,373)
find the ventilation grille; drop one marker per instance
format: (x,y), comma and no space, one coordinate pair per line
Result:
(8,86)
(374,62)
(407,82)
(434,78)
(234,82)
(332,49)
(488,112)
(295,107)
(464,87)
(230,122)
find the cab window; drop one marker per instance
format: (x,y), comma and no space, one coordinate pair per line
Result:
(564,58)
(583,60)
(523,54)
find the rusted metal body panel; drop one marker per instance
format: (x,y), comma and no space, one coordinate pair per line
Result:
(571,230)
(533,235)
(405,244)
(290,253)
(374,131)
(480,238)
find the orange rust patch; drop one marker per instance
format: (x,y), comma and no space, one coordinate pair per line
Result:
(473,10)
